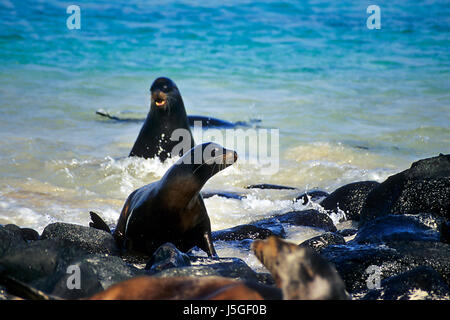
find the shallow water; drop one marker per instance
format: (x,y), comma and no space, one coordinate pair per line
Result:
(350,103)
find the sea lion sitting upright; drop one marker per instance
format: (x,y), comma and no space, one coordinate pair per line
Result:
(167,114)
(172,209)
(300,272)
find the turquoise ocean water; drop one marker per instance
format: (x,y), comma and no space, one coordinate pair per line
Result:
(350,103)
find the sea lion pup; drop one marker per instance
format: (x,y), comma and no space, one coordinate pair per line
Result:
(167,114)
(171,209)
(300,272)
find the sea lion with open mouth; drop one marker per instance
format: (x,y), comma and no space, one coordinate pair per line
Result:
(167,114)
(171,209)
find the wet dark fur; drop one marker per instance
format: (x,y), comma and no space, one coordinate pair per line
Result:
(154,138)
(171,209)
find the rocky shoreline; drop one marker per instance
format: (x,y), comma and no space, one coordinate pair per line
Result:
(397,245)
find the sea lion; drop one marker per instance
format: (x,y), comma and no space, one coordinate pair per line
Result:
(179,288)
(172,209)
(300,272)
(155,288)
(167,114)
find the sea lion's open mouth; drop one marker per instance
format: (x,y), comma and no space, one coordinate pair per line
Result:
(160,102)
(160,98)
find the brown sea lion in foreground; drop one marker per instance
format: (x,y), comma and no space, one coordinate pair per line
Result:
(171,209)
(154,288)
(300,272)
(179,288)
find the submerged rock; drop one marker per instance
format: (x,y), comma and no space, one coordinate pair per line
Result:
(349,198)
(269,186)
(425,187)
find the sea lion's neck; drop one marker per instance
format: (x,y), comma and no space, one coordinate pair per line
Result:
(180,186)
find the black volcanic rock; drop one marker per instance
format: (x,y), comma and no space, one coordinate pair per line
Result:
(444,231)
(425,187)
(312,195)
(394,228)
(321,241)
(349,198)
(241,232)
(9,239)
(392,258)
(421,283)
(88,239)
(165,257)
(202,267)
(27,234)
(310,218)
(97,273)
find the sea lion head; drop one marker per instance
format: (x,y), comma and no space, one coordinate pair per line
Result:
(164,95)
(209,158)
(205,160)
(299,272)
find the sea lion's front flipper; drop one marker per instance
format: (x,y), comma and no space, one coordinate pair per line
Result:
(98,222)
(207,245)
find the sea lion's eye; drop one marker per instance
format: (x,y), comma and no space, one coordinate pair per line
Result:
(216,152)
(165,87)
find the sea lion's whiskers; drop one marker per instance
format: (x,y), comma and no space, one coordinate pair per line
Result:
(208,162)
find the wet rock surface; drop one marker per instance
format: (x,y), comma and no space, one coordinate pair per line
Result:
(311,195)
(421,283)
(246,231)
(90,240)
(423,188)
(349,198)
(319,242)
